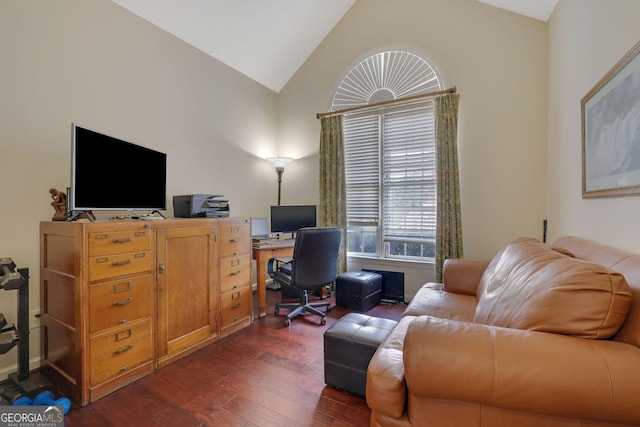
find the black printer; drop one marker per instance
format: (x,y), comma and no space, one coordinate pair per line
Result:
(200,205)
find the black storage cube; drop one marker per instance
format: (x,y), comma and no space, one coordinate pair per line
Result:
(349,345)
(358,290)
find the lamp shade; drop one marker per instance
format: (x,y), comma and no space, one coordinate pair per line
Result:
(279,162)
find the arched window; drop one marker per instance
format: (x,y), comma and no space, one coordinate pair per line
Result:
(390,156)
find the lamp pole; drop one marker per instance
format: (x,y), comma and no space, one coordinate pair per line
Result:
(279,171)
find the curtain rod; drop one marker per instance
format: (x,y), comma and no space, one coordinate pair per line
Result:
(390,102)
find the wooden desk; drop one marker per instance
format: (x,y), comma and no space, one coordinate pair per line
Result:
(262,255)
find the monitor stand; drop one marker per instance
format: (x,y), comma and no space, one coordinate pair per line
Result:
(78,214)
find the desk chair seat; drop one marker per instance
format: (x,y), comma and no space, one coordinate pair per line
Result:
(314,265)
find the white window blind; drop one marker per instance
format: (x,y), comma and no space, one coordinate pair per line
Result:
(391,174)
(409,174)
(362,174)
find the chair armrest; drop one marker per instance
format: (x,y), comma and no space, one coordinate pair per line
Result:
(462,276)
(274,263)
(521,370)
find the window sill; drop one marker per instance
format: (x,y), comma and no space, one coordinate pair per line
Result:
(427,262)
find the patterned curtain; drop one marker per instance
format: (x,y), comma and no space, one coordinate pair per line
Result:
(333,193)
(448,216)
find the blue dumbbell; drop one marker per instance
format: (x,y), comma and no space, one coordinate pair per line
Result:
(46,398)
(23,401)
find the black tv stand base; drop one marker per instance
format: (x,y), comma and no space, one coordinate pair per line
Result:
(76,215)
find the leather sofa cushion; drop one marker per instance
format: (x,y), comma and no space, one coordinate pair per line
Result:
(434,301)
(528,285)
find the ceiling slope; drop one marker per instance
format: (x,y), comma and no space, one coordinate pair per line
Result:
(269,40)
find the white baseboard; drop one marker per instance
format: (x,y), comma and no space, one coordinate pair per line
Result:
(34,363)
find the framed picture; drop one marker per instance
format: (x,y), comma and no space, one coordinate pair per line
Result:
(611,131)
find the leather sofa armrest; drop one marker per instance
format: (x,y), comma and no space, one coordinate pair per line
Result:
(521,370)
(386,388)
(462,276)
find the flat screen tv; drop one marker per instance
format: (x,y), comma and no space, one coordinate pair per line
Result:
(108,173)
(290,219)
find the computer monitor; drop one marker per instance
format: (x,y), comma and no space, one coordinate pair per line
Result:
(259,227)
(289,219)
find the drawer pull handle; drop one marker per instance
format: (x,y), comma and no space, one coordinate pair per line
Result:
(123,321)
(234,240)
(123,302)
(124,262)
(122,350)
(123,240)
(124,369)
(235,306)
(235,273)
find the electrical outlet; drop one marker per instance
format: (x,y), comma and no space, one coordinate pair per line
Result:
(34,319)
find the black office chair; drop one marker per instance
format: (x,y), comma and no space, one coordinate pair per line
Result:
(314,265)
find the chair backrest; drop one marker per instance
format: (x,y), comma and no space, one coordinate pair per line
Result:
(315,257)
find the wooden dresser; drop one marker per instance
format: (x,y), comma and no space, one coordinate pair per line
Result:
(121,299)
(235,276)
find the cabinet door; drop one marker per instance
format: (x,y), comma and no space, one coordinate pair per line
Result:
(187,290)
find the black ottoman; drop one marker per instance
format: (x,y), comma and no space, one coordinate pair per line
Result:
(349,345)
(358,290)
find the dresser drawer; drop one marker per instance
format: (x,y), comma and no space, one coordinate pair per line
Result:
(235,305)
(235,272)
(103,267)
(120,301)
(234,238)
(116,242)
(117,351)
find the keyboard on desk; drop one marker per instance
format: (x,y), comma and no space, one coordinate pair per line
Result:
(277,242)
(274,242)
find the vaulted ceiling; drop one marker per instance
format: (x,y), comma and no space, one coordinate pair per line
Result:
(268,40)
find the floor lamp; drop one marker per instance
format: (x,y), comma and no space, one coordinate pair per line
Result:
(279,163)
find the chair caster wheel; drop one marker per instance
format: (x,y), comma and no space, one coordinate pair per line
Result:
(323,321)
(287,322)
(328,309)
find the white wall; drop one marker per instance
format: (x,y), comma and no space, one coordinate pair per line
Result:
(97,64)
(498,62)
(587,38)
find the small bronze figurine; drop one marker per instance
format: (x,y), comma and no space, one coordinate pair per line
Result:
(59,204)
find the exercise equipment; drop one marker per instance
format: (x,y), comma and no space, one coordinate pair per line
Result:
(19,383)
(46,398)
(10,278)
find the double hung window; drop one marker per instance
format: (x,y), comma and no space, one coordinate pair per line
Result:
(390,163)
(391,181)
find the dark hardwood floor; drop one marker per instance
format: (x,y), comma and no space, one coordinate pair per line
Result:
(264,375)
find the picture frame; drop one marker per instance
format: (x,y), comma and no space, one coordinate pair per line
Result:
(611,131)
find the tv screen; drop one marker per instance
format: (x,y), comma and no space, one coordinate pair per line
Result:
(111,174)
(289,219)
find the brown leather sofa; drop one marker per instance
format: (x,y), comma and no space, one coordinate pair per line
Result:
(538,336)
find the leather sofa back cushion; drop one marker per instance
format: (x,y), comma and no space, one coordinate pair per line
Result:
(531,286)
